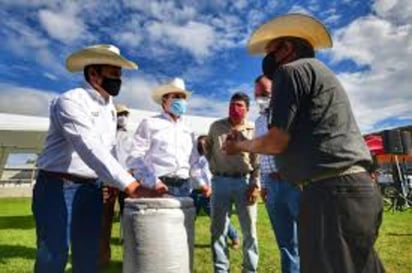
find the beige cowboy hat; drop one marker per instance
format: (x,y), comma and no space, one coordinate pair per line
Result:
(290,25)
(121,108)
(97,54)
(177,85)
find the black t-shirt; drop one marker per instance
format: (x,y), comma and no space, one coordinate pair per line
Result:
(311,105)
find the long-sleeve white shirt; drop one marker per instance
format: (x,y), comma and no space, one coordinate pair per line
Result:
(201,173)
(162,147)
(81,138)
(124,146)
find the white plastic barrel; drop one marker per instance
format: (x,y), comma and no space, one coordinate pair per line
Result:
(158,235)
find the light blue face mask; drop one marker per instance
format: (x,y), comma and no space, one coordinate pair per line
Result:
(178,107)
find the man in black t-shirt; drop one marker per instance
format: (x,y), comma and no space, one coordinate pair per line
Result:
(319,148)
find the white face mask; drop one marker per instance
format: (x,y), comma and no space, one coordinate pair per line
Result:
(122,121)
(263,103)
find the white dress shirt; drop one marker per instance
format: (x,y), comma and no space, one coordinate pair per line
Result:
(124,146)
(201,173)
(81,138)
(162,147)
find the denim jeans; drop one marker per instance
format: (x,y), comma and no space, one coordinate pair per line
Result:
(66,215)
(225,191)
(338,225)
(283,209)
(202,202)
(181,191)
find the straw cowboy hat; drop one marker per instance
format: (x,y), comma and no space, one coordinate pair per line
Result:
(290,25)
(177,85)
(97,54)
(121,108)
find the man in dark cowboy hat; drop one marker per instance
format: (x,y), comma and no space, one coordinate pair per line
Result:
(318,147)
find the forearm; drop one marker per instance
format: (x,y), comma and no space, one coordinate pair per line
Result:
(273,142)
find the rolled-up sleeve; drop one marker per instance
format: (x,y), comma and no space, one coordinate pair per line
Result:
(78,129)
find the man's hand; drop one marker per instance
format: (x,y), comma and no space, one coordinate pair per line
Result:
(161,187)
(109,194)
(206,191)
(252,194)
(132,187)
(264,194)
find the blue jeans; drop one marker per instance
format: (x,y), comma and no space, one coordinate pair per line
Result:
(283,209)
(202,202)
(182,191)
(225,191)
(66,214)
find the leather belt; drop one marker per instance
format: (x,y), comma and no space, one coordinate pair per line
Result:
(333,173)
(71,177)
(173,181)
(236,175)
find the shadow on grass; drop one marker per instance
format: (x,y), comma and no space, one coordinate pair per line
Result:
(114,266)
(13,251)
(17,222)
(399,234)
(115,241)
(202,245)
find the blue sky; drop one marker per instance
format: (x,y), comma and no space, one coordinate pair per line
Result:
(204,43)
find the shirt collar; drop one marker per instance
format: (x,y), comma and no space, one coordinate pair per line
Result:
(169,118)
(245,126)
(96,95)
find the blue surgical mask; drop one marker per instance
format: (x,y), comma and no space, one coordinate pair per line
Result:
(178,107)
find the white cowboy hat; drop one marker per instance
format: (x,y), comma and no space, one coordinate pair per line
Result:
(177,85)
(121,108)
(97,54)
(290,25)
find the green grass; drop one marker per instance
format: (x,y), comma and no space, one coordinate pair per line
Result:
(17,243)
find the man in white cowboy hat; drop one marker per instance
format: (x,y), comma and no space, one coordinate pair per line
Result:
(319,148)
(165,148)
(67,199)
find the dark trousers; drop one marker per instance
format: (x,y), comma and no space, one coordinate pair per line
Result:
(66,216)
(338,225)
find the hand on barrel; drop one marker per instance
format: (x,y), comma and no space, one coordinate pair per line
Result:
(142,191)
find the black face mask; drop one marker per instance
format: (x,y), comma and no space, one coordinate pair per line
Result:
(269,65)
(111,86)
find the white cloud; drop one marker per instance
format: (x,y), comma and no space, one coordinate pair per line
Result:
(384,46)
(136,93)
(195,37)
(129,38)
(399,11)
(62,26)
(24,100)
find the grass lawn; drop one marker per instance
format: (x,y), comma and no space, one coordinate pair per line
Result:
(17,243)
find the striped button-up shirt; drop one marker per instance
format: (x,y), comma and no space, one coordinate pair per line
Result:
(267,162)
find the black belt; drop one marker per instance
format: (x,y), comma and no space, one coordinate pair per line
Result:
(71,177)
(236,175)
(173,181)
